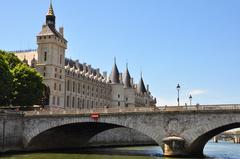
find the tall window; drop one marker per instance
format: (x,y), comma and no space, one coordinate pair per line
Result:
(79,87)
(68,84)
(55,86)
(83,101)
(87,104)
(45,56)
(58,101)
(78,101)
(60,59)
(53,102)
(67,101)
(73,87)
(73,102)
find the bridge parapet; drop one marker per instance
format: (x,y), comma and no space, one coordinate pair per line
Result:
(203,108)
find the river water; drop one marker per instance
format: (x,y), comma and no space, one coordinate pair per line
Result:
(222,150)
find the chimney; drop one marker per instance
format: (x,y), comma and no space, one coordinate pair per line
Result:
(84,67)
(97,71)
(89,68)
(61,31)
(132,82)
(148,88)
(120,78)
(43,26)
(105,74)
(77,63)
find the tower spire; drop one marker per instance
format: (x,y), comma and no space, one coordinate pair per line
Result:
(50,10)
(115,73)
(141,86)
(50,17)
(115,60)
(127,78)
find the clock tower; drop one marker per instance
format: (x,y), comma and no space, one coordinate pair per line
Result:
(51,59)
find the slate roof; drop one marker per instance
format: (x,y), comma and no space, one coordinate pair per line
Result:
(127,79)
(114,78)
(141,86)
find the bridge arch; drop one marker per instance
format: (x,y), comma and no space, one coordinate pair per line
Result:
(197,146)
(35,130)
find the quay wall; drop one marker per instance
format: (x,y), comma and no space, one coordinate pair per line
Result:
(11,131)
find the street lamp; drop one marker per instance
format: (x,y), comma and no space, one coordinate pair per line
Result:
(178,89)
(190,98)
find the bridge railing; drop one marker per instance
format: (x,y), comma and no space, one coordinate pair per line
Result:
(88,111)
(137,109)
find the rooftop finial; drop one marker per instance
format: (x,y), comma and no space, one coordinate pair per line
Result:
(50,10)
(115,61)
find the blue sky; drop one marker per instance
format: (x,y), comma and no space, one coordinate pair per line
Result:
(191,42)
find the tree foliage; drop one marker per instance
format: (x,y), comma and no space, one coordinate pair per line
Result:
(11,59)
(5,81)
(20,85)
(27,85)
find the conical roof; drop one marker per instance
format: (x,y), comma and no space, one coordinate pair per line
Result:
(141,86)
(114,74)
(127,79)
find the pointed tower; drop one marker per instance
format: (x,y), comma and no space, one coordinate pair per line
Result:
(114,77)
(127,78)
(50,17)
(141,86)
(51,58)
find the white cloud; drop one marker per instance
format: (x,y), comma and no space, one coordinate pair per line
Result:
(196,92)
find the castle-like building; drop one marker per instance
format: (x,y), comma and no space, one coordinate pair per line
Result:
(74,85)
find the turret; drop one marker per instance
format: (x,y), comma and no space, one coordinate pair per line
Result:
(114,77)
(141,86)
(127,79)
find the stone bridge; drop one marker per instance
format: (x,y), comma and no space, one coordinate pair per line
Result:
(179,131)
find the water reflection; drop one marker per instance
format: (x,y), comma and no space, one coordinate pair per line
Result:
(221,150)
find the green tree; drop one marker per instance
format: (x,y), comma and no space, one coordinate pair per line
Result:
(10,58)
(5,82)
(27,85)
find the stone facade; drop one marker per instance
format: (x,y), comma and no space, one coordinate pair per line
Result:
(75,85)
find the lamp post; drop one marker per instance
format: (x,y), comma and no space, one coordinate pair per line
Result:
(190,99)
(178,89)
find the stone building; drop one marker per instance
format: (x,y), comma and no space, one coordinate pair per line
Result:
(75,85)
